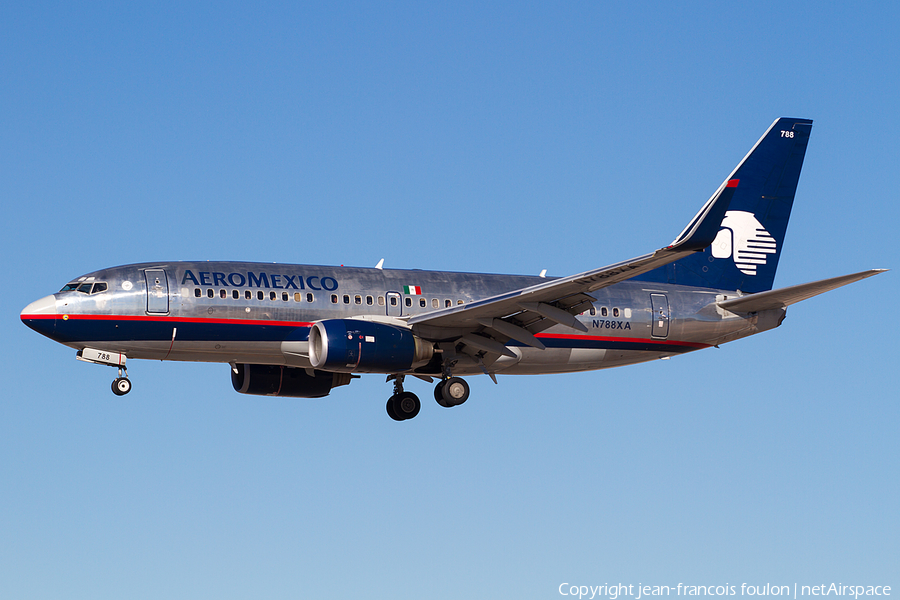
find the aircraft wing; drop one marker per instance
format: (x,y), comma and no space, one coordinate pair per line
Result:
(521,313)
(791,295)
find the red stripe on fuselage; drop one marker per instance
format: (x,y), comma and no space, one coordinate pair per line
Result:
(733,183)
(555,336)
(601,338)
(172,320)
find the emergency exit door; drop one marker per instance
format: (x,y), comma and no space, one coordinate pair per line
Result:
(394,304)
(659,315)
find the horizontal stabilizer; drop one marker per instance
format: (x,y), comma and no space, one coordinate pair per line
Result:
(790,295)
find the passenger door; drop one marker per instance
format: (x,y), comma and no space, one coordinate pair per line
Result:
(659,313)
(157,291)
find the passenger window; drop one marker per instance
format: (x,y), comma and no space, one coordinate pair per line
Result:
(334,298)
(627,313)
(447,303)
(615,312)
(357,299)
(298,297)
(435,303)
(423,302)
(604,312)
(235,294)
(197,292)
(380,300)
(259,295)
(393,301)
(593,311)
(284,296)
(223,294)
(309,297)
(459,302)
(408,301)
(248,295)
(370,300)
(209,293)
(346,299)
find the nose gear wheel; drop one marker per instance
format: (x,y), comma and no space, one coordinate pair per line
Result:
(121,385)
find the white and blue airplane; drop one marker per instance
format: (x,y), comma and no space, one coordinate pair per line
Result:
(302,330)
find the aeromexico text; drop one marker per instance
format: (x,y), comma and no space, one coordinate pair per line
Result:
(279,281)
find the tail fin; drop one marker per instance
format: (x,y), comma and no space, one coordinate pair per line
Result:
(745,253)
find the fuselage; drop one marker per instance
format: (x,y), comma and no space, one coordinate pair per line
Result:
(261,313)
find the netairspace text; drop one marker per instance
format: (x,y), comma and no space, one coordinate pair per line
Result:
(640,591)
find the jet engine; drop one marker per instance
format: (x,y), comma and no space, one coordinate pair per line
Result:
(356,346)
(277,380)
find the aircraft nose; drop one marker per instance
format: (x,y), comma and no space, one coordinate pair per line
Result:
(40,315)
(44,306)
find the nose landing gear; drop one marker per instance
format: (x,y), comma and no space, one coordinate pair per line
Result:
(121,385)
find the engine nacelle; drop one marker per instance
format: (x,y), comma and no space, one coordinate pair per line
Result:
(277,380)
(356,346)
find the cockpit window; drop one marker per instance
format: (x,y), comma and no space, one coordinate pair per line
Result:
(85,288)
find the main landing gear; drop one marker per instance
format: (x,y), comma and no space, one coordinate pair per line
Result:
(449,392)
(121,385)
(402,405)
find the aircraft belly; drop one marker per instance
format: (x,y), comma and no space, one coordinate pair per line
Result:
(579,359)
(556,360)
(268,353)
(592,358)
(296,354)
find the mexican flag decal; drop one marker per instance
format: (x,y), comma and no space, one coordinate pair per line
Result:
(412,290)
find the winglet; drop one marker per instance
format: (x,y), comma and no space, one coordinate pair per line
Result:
(776,156)
(704,227)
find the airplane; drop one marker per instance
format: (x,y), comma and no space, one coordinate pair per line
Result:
(303,330)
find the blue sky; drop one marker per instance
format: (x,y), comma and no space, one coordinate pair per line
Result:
(501,138)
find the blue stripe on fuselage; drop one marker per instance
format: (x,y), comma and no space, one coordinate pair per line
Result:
(110,329)
(82,329)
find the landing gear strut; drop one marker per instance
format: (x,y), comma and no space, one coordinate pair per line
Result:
(402,405)
(121,385)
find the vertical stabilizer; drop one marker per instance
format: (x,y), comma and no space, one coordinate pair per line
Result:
(745,253)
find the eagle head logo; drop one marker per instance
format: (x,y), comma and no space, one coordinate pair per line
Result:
(743,238)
